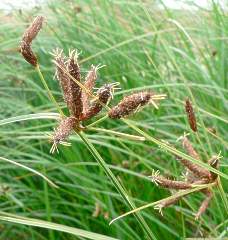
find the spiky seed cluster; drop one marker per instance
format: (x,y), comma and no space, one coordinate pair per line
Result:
(75,92)
(130,104)
(103,95)
(196,175)
(89,84)
(172,184)
(79,105)
(191,115)
(28,36)
(61,72)
(62,132)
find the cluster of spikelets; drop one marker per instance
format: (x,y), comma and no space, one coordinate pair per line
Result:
(83,105)
(77,94)
(195,175)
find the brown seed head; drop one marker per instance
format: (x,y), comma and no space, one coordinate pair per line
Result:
(32,31)
(89,84)
(28,36)
(191,115)
(63,131)
(130,104)
(75,93)
(103,95)
(28,54)
(63,78)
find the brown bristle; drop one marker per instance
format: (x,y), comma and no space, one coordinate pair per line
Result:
(75,92)
(28,36)
(130,104)
(103,95)
(191,115)
(89,84)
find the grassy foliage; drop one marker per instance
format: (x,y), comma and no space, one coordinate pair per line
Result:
(143,47)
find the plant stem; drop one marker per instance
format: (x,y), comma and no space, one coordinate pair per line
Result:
(50,95)
(116,183)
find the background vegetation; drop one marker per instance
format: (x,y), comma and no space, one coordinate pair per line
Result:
(174,52)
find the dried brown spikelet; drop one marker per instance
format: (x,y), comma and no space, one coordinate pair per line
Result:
(130,104)
(74,97)
(89,84)
(103,95)
(61,74)
(167,183)
(194,168)
(62,132)
(32,31)
(28,36)
(167,203)
(191,115)
(204,204)
(28,54)
(189,148)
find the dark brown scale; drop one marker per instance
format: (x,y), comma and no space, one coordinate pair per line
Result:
(103,94)
(64,129)
(75,93)
(191,115)
(130,104)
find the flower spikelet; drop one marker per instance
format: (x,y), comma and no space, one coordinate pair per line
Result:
(191,115)
(27,38)
(130,104)
(103,95)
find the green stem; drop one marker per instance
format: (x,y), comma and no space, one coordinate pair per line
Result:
(173,150)
(50,95)
(116,183)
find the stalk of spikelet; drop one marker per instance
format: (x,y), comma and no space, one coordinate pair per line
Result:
(74,99)
(130,104)
(27,38)
(89,84)
(191,115)
(167,183)
(103,95)
(194,168)
(63,131)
